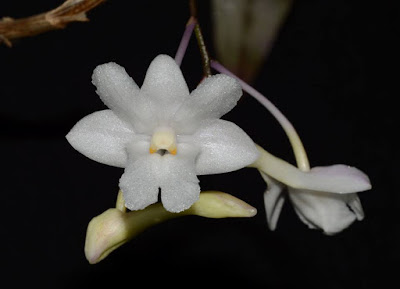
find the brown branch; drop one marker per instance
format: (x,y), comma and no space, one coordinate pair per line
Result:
(193,8)
(203,51)
(200,40)
(69,11)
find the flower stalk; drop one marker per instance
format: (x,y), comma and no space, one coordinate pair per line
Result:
(200,40)
(295,141)
(203,51)
(180,53)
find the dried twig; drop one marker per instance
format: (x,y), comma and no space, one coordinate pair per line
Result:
(69,11)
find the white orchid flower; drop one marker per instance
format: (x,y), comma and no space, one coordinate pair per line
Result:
(323,197)
(162,135)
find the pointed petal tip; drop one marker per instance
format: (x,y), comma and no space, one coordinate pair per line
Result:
(236,207)
(352,178)
(94,257)
(164,86)
(163,61)
(214,204)
(271,225)
(101,136)
(360,178)
(68,137)
(274,199)
(104,234)
(339,179)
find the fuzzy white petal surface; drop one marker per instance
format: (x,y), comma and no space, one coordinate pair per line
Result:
(179,183)
(224,147)
(173,174)
(165,86)
(337,179)
(121,94)
(140,181)
(179,194)
(274,199)
(214,97)
(102,137)
(327,211)
(340,179)
(115,88)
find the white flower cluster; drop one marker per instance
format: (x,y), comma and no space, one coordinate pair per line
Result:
(164,136)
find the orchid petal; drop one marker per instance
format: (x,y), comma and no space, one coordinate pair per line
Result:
(355,205)
(180,194)
(115,88)
(273,200)
(213,98)
(340,179)
(140,182)
(102,136)
(179,184)
(121,94)
(147,173)
(165,86)
(327,211)
(224,147)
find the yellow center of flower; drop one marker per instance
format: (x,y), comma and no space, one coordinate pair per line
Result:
(163,140)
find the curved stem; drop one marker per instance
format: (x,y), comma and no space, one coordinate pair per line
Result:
(203,51)
(185,40)
(298,148)
(200,40)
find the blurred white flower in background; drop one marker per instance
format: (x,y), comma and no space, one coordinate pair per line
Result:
(245,31)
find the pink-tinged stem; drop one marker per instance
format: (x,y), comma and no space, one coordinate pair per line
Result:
(180,53)
(297,145)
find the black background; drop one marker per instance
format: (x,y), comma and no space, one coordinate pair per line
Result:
(332,73)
